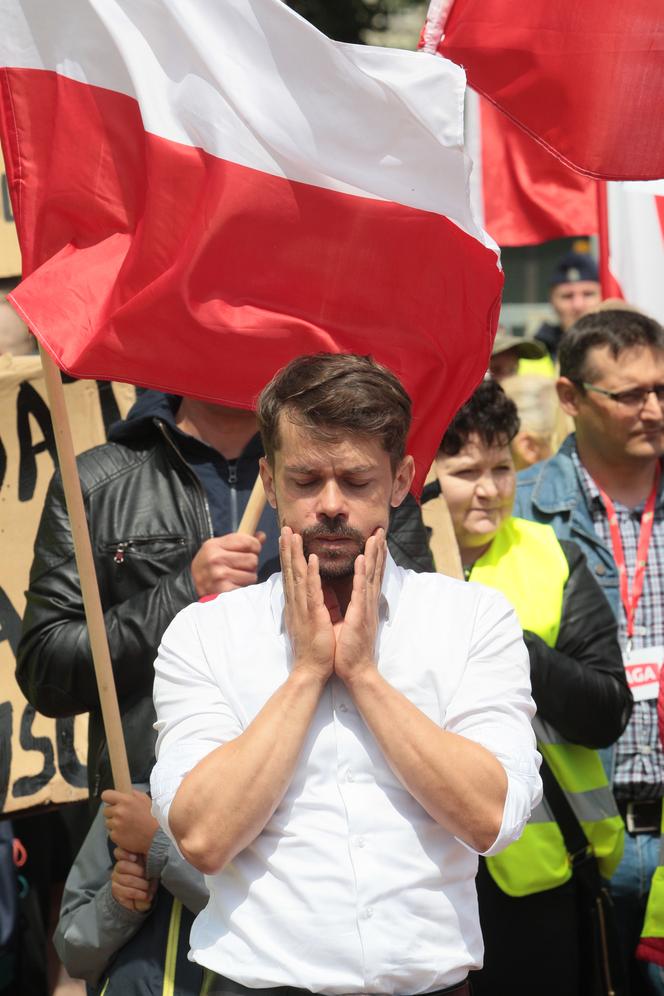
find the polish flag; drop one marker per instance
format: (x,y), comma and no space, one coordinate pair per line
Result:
(636,244)
(204,190)
(584,79)
(523,195)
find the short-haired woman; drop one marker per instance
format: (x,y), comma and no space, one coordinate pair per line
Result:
(527,897)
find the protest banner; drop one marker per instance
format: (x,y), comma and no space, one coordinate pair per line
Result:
(42,760)
(10,256)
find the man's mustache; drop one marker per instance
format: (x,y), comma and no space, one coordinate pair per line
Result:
(332,529)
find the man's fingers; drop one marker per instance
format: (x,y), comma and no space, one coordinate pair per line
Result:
(370,557)
(129,875)
(238,543)
(231,560)
(111,796)
(286,562)
(298,559)
(120,854)
(241,579)
(299,572)
(313,584)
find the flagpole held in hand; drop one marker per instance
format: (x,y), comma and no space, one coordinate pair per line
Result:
(94,614)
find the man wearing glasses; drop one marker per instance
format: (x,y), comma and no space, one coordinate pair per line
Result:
(604,490)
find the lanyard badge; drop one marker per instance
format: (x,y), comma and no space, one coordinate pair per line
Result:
(642,666)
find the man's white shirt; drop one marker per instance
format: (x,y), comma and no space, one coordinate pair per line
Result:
(351,887)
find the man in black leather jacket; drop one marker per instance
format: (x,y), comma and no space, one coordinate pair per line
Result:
(163,498)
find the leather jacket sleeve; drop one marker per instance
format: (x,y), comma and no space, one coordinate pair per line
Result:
(54,661)
(580,686)
(407,537)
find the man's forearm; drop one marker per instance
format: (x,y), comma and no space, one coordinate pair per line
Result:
(224,803)
(457,781)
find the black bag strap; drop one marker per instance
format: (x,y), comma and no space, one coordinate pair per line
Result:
(575,839)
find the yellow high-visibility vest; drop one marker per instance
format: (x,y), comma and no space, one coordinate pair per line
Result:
(527,564)
(652,933)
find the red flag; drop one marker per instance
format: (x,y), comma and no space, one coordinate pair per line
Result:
(527,196)
(584,79)
(200,199)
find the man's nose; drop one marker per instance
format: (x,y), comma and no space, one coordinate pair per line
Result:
(331,502)
(652,410)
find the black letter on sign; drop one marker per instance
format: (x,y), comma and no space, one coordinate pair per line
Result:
(3,463)
(5,750)
(31,403)
(31,784)
(10,623)
(70,767)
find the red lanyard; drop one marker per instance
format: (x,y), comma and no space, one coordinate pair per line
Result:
(630,601)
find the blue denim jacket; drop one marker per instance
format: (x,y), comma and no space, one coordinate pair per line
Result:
(552,492)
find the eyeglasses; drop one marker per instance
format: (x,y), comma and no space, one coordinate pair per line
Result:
(634,399)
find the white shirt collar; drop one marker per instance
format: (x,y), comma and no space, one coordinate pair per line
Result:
(390,591)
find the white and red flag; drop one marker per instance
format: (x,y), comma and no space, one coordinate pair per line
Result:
(584,79)
(636,244)
(523,195)
(205,189)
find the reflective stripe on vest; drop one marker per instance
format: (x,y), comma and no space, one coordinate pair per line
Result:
(651,947)
(527,564)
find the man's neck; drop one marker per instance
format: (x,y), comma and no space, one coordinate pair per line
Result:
(626,481)
(227,430)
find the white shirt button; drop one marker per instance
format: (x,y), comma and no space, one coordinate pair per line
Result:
(359,842)
(343,707)
(350,777)
(368,912)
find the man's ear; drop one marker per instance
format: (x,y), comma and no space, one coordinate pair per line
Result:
(528,449)
(402,481)
(568,395)
(267,477)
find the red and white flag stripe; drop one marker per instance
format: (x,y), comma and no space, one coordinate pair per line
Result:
(204,190)
(636,244)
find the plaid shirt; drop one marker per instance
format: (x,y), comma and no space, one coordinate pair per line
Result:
(639,763)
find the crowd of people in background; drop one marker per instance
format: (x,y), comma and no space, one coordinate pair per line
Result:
(552,475)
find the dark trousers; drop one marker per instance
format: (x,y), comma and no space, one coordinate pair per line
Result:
(531,943)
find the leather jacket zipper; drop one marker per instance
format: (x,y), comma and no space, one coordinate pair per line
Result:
(232,484)
(192,475)
(120,549)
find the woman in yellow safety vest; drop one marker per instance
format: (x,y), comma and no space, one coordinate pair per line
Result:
(527,897)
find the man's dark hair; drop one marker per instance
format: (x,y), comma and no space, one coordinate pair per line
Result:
(489,414)
(618,328)
(333,394)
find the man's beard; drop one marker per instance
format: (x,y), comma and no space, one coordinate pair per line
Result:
(334,564)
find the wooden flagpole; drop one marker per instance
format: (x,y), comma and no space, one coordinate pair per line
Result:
(434,25)
(603,238)
(254,509)
(444,546)
(94,615)
(86,568)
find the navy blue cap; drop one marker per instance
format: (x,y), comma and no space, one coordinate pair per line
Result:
(574,266)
